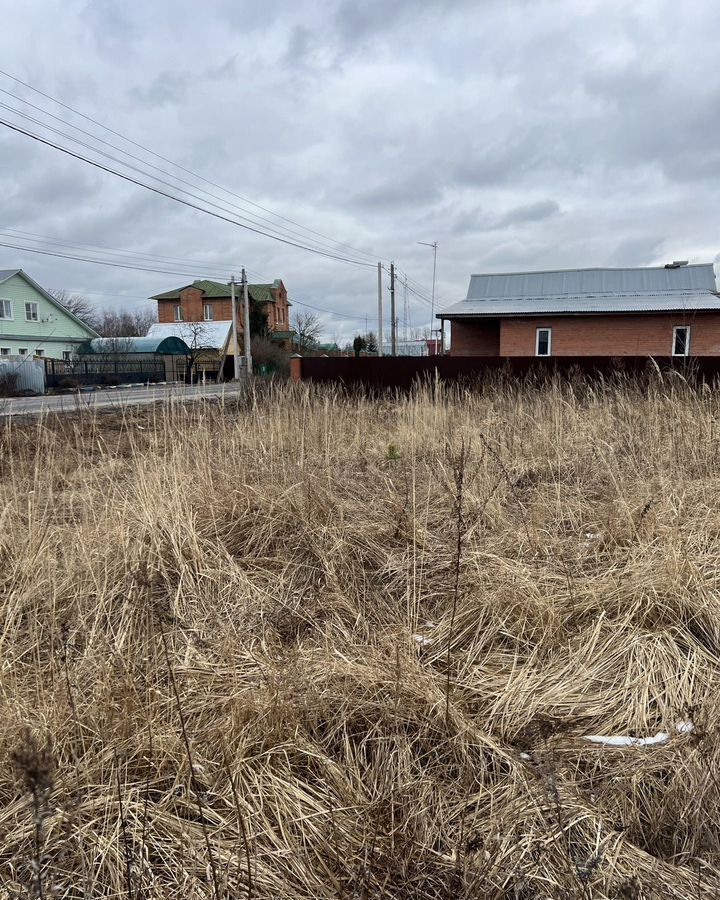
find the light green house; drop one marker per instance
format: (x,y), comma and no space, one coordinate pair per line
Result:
(34,323)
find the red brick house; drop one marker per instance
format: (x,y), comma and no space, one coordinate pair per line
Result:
(210,301)
(671,310)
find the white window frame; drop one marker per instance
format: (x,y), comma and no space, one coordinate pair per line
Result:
(6,306)
(39,352)
(177,312)
(211,308)
(30,306)
(67,355)
(537,341)
(4,351)
(23,351)
(686,329)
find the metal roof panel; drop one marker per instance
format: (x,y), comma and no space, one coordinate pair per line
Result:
(690,301)
(591,281)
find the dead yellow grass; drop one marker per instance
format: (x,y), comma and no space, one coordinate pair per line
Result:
(237,641)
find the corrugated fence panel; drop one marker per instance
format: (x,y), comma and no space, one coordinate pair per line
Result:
(29,373)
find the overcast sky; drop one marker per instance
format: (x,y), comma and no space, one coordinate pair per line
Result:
(518,135)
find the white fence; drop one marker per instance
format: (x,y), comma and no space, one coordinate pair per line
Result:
(28,374)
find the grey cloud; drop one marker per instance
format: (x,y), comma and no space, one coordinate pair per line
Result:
(531,212)
(167,88)
(480,220)
(517,135)
(409,191)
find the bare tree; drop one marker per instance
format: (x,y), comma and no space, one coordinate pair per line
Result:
(308,328)
(79,306)
(125,323)
(197,337)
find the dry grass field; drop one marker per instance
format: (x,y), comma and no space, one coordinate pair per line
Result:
(316,646)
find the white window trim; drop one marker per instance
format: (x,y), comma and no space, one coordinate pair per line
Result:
(39,351)
(36,305)
(206,307)
(23,351)
(177,313)
(537,340)
(4,351)
(677,328)
(9,318)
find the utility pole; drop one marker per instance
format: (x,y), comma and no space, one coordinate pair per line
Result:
(406,313)
(380,311)
(393,320)
(432,302)
(236,348)
(247,338)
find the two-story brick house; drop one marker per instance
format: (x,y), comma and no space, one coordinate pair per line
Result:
(210,301)
(671,310)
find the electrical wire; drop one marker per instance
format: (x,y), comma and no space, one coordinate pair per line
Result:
(224,205)
(416,290)
(181,168)
(159,191)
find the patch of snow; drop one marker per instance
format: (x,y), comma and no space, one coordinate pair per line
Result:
(525,756)
(684,727)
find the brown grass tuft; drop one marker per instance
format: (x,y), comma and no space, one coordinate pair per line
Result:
(250,651)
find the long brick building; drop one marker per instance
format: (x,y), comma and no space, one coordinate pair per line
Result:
(671,310)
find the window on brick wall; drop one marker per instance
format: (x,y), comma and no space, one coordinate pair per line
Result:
(543,341)
(208,312)
(681,340)
(178,313)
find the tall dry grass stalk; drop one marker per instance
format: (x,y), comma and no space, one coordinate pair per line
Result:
(238,629)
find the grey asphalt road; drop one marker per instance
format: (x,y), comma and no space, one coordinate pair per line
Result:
(119,398)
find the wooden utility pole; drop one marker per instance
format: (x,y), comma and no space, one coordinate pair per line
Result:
(393,320)
(236,347)
(247,338)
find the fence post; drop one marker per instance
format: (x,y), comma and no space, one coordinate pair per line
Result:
(296,367)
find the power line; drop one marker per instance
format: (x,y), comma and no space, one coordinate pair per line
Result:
(183,263)
(173,187)
(138,268)
(373,256)
(224,208)
(157,190)
(224,205)
(122,162)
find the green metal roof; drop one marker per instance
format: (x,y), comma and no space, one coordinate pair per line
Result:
(261,293)
(167,346)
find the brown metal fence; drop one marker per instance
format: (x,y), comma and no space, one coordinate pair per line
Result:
(405,371)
